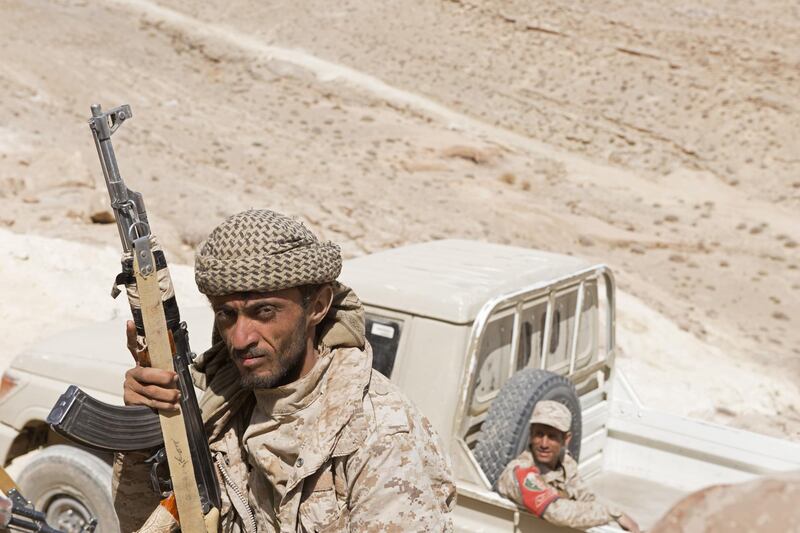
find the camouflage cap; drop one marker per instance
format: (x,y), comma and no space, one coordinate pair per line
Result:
(552,414)
(260,251)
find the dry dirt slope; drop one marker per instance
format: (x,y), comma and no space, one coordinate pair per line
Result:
(658,138)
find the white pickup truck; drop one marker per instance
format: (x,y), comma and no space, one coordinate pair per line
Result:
(467,330)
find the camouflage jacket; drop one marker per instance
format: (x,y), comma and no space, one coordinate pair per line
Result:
(576,506)
(369,462)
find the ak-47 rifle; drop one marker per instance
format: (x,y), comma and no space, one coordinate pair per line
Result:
(180,436)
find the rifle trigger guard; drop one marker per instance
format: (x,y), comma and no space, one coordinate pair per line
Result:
(161,485)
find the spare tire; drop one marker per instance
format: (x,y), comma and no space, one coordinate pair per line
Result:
(70,486)
(505,432)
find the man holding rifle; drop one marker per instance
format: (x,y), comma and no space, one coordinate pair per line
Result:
(304,434)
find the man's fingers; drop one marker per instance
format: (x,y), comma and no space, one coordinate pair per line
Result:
(138,399)
(152,396)
(152,387)
(160,394)
(154,392)
(130,331)
(133,341)
(153,376)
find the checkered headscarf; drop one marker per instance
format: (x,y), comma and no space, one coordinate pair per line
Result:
(259,251)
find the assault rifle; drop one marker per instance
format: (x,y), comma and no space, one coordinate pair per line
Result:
(177,437)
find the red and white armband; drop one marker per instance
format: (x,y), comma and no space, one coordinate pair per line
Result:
(536,494)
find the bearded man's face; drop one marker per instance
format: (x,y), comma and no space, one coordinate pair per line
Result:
(266,334)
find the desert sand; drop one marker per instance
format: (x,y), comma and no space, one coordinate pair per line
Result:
(659,138)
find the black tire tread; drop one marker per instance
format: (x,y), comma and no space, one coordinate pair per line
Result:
(505,430)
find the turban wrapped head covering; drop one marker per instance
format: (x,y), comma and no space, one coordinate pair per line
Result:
(261,251)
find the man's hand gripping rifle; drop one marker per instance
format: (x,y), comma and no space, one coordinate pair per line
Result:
(176,436)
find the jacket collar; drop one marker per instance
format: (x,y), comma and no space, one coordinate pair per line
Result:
(342,426)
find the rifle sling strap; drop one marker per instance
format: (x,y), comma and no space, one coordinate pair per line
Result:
(176,441)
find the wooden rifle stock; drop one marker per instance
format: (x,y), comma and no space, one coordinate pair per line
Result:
(176,442)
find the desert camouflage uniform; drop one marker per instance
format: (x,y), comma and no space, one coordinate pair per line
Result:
(352,455)
(576,506)
(365,462)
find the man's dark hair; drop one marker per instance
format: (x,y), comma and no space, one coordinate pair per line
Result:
(308,292)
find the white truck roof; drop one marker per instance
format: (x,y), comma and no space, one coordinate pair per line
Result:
(451,279)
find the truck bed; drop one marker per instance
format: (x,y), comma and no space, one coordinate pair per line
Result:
(649,459)
(644,500)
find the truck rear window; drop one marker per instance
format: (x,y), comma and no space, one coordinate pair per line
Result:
(383,335)
(494,357)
